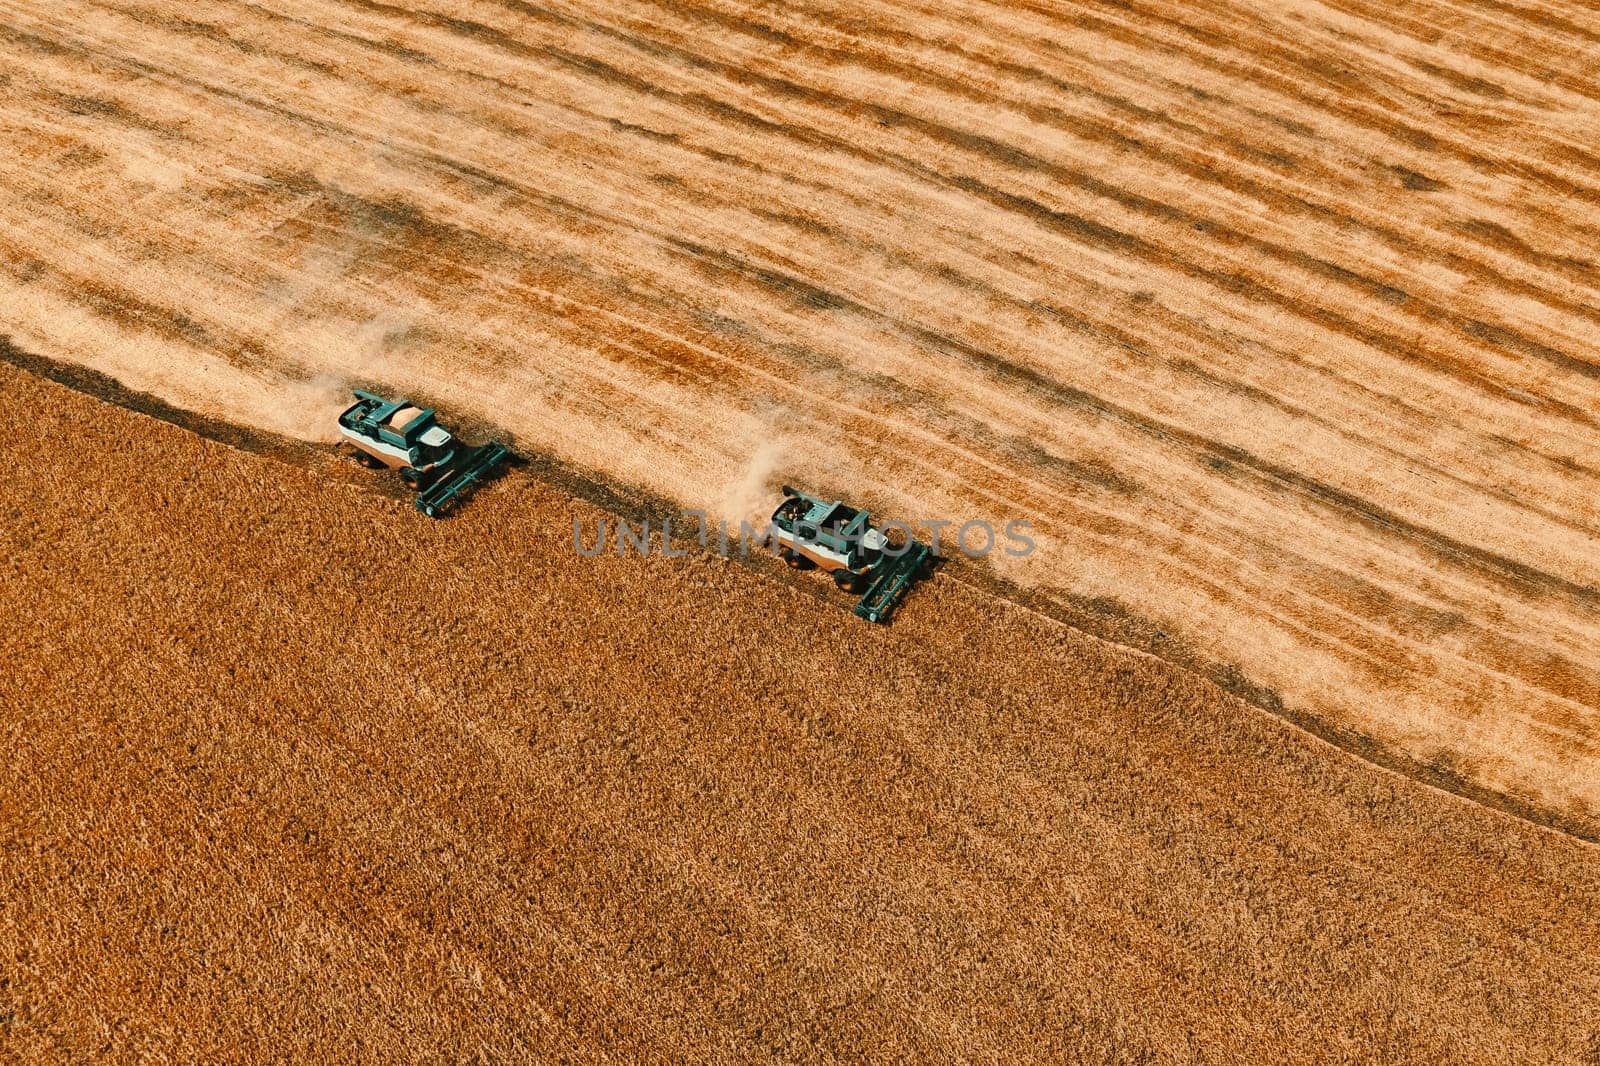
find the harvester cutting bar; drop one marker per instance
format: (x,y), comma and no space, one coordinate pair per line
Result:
(890,581)
(476,466)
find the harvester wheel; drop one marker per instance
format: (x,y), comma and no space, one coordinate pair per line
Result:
(797,561)
(846,581)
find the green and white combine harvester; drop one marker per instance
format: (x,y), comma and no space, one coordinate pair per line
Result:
(400,436)
(813,533)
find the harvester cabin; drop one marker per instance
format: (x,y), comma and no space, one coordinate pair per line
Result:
(835,525)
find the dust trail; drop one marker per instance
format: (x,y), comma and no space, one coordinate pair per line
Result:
(749,498)
(306,410)
(350,350)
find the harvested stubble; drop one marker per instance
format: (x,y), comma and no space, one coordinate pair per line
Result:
(296,774)
(1277,319)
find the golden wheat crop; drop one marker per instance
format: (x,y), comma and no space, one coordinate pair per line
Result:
(293,773)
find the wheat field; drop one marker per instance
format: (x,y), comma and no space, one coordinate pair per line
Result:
(1277,321)
(294,774)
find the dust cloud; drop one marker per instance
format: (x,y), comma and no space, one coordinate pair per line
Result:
(749,497)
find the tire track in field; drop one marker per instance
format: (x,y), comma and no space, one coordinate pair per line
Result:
(1106,134)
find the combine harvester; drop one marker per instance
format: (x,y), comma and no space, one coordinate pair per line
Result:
(394,434)
(812,533)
